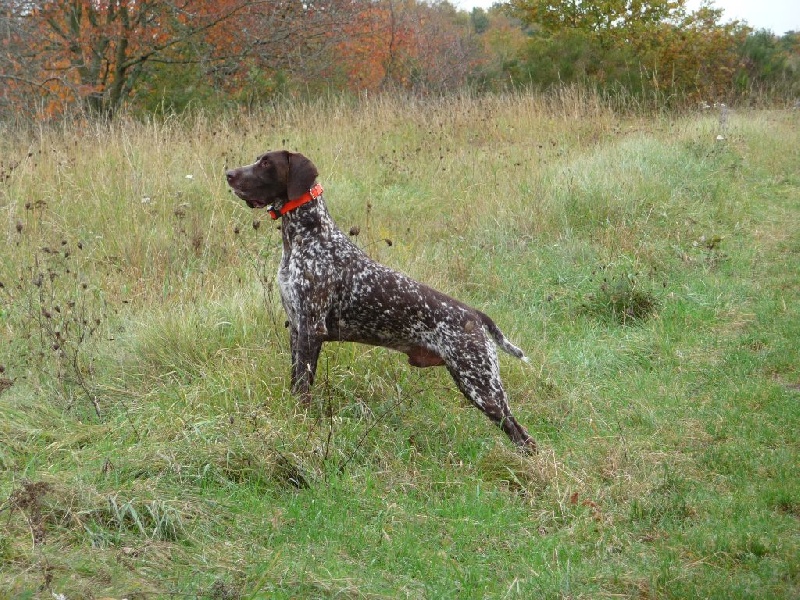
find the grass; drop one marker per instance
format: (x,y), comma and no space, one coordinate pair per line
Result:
(149,446)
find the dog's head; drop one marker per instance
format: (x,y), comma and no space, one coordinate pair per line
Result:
(274,179)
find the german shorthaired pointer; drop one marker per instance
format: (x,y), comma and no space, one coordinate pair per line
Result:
(332,291)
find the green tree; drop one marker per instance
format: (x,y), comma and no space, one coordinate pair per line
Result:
(652,47)
(480,20)
(768,60)
(605,19)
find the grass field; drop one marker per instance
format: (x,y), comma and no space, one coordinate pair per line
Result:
(149,447)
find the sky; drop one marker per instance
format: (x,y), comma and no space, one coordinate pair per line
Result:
(779,16)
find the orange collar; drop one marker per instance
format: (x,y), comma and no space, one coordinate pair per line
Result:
(312,194)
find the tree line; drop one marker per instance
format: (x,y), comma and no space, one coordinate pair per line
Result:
(96,56)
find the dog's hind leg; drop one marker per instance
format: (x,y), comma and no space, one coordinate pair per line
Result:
(477,376)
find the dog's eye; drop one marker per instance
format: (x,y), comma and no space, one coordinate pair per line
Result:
(263,160)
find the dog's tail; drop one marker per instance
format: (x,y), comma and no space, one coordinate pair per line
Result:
(500,339)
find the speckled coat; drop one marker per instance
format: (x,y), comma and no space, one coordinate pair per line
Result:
(332,291)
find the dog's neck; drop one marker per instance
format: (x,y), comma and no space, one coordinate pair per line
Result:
(311,219)
(292,205)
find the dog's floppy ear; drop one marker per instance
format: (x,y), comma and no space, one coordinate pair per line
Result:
(302,175)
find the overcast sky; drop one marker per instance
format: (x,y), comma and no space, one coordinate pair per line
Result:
(779,16)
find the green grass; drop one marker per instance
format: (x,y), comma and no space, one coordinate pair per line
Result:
(149,446)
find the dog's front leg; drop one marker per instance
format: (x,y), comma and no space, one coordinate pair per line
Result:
(293,348)
(306,344)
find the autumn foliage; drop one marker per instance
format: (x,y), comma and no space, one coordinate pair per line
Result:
(96,56)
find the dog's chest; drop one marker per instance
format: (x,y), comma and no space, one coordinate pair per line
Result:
(308,271)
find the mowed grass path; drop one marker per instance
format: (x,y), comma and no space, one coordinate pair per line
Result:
(149,446)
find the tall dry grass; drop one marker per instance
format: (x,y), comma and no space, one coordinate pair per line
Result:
(148,442)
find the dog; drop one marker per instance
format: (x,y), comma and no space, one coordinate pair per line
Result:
(333,292)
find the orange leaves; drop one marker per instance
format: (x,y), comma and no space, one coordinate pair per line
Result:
(408,44)
(99,54)
(96,53)
(364,49)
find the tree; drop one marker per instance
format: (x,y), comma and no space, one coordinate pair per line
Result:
(604,18)
(98,53)
(770,63)
(95,52)
(407,44)
(442,53)
(646,46)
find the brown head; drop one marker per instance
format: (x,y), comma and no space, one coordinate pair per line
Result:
(274,179)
